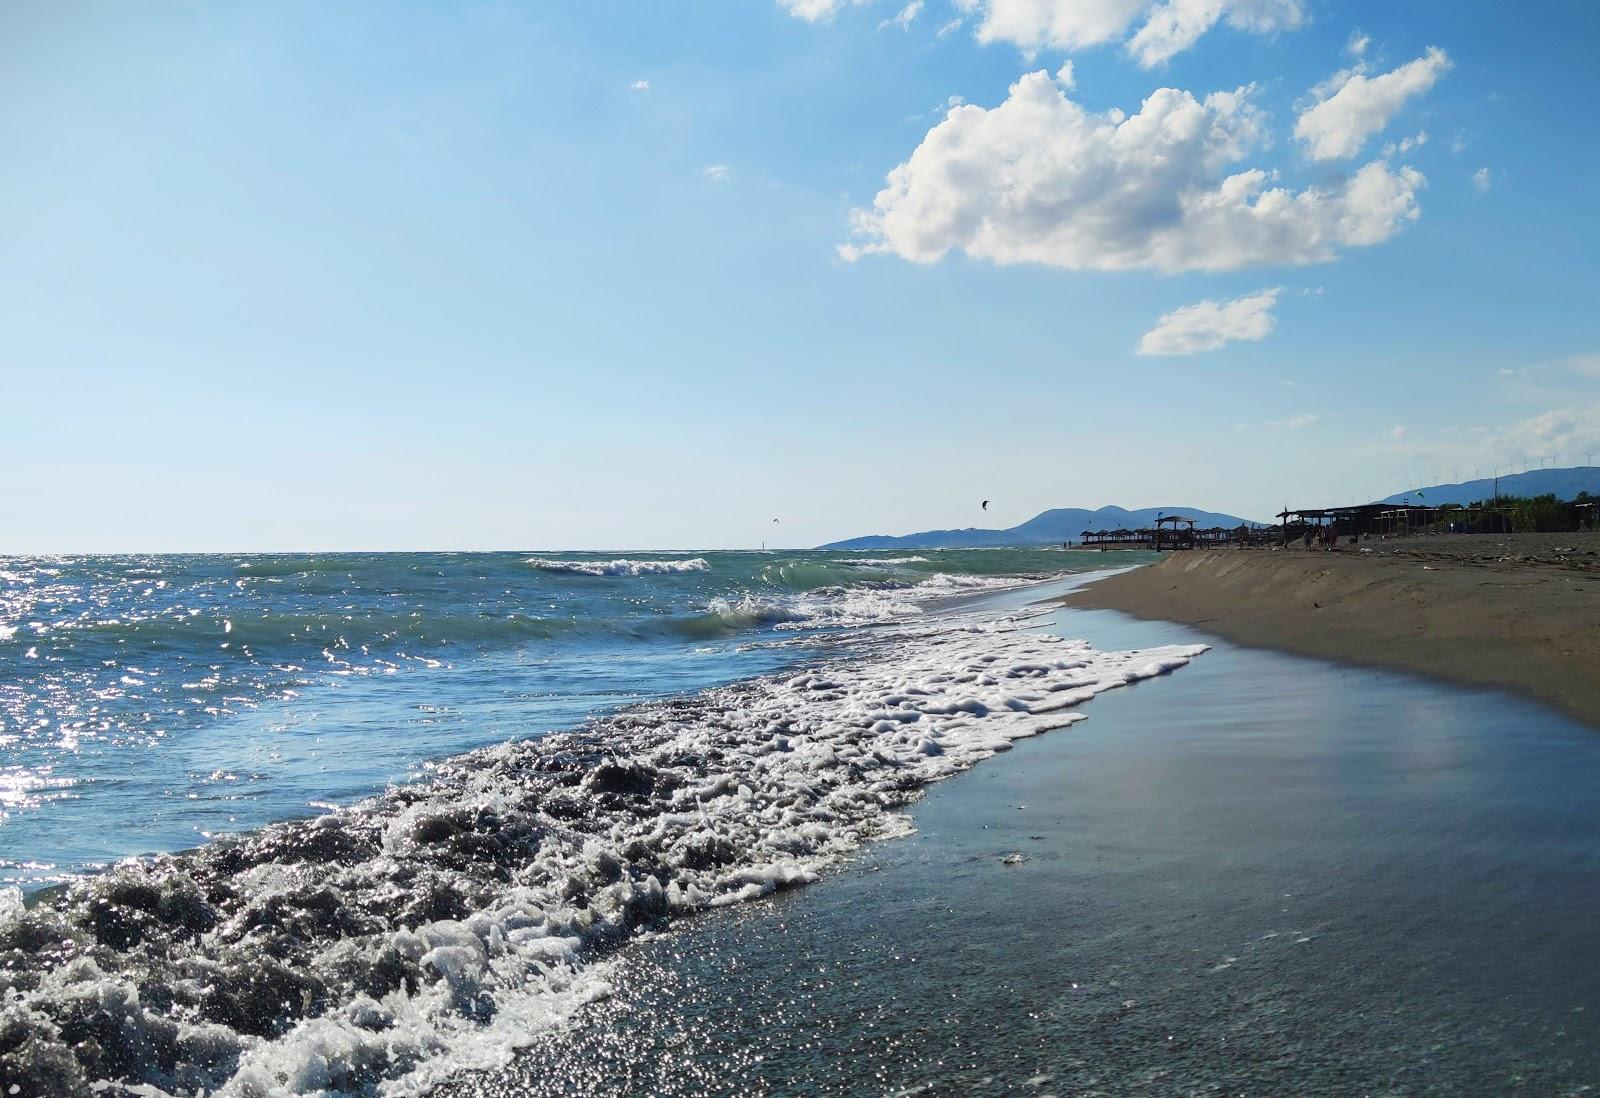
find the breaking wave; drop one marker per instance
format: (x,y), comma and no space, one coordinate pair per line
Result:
(620,567)
(383,947)
(835,606)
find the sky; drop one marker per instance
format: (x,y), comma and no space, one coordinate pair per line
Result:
(654,273)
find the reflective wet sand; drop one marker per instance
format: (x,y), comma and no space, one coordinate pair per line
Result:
(1265,875)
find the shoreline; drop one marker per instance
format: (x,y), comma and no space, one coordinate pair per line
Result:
(433,926)
(1508,612)
(1161,898)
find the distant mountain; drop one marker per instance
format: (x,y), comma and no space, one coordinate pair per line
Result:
(1564,483)
(1050,528)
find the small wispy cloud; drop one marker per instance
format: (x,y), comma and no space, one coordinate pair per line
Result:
(1569,433)
(1482,179)
(812,11)
(1357,46)
(1584,365)
(1294,423)
(1209,325)
(950,103)
(905,18)
(1406,144)
(717,173)
(640,86)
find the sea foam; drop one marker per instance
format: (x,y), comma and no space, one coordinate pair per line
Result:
(384,947)
(622,567)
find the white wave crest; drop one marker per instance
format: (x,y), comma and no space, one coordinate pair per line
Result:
(857,604)
(868,562)
(536,855)
(622,567)
(750,610)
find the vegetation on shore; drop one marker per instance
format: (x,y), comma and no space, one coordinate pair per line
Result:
(1537,514)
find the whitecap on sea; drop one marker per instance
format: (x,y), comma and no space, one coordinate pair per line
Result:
(623,567)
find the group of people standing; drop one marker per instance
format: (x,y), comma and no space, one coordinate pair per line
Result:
(1325,536)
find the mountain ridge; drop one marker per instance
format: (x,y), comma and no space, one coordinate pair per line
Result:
(1052,527)
(1563,483)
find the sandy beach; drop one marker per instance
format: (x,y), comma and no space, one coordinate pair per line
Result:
(1515,612)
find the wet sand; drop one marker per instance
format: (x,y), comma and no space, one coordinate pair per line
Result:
(1215,895)
(1515,612)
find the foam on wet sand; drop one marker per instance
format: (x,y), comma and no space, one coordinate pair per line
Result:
(389,945)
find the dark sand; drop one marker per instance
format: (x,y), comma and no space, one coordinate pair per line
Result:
(1259,875)
(1518,612)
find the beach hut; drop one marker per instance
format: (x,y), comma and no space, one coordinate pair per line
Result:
(1181,536)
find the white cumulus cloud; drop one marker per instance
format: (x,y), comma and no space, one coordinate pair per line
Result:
(1061,24)
(1178,24)
(1350,107)
(639,86)
(1040,179)
(1167,27)
(717,173)
(1209,325)
(1482,179)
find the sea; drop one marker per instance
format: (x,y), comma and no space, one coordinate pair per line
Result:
(677,824)
(355,823)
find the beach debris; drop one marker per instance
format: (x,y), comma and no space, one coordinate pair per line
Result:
(1013,859)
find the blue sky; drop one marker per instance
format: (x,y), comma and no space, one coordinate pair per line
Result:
(620,274)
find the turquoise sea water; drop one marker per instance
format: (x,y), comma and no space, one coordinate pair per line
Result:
(402,812)
(1264,875)
(148,703)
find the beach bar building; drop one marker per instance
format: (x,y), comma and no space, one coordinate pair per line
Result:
(1358,520)
(1387,520)
(1180,536)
